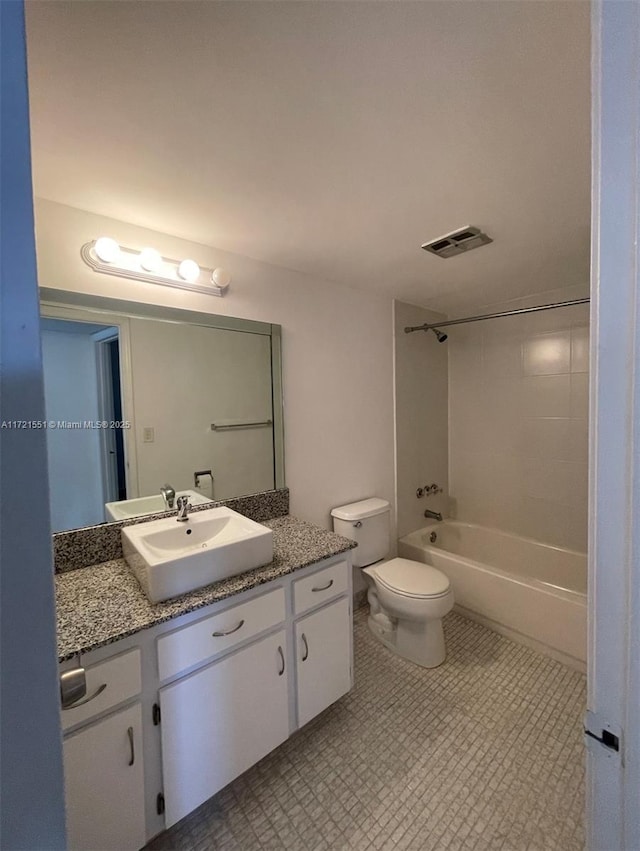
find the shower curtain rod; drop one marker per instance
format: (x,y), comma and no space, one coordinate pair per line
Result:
(516,312)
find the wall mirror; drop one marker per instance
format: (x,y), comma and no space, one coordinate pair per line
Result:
(139,396)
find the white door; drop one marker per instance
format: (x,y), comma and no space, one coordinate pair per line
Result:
(218,722)
(613,720)
(323,653)
(104,784)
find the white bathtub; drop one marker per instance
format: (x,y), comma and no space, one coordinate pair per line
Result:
(530,591)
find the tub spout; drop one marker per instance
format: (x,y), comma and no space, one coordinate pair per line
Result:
(433,515)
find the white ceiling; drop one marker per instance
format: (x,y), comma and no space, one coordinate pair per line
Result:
(333,138)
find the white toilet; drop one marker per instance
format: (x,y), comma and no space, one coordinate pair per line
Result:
(407,599)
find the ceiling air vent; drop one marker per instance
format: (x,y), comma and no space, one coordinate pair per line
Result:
(457,242)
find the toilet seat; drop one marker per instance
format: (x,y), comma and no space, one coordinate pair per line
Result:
(412,579)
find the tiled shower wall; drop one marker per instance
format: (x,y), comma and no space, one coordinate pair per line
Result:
(421,389)
(518,410)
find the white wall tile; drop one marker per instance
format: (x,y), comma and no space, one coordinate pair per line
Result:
(518,429)
(579,443)
(546,437)
(546,396)
(502,357)
(580,349)
(579,395)
(531,324)
(501,433)
(547,354)
(555,481)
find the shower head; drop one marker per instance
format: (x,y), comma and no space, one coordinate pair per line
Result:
(439,334)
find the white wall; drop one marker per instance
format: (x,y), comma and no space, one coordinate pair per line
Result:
(186,377)
(337,351)
(421,407)
(73,455)
(518,436)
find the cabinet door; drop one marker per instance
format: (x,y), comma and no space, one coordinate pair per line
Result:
(219,721)
(104,784)
(323,652)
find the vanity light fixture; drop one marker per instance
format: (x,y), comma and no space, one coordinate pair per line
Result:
(151,260)
(106,256)
(221,278)
(189,271)
(107,249)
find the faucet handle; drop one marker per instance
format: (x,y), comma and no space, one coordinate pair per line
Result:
(184,506)
(168,495)
(433,488)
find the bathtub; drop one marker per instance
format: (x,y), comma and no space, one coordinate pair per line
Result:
(529,591)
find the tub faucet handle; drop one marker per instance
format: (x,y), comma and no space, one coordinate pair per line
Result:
(434,488)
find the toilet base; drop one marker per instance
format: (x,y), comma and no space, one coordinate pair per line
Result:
(417,641)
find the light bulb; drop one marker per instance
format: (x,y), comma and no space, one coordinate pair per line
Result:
(221,278)
(150,260)
(107,249)
(189,271)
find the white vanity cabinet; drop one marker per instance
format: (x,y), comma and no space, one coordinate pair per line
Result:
(323,639)
(104,784)
(180,709)
(323,658)
(104,760)
(221,720)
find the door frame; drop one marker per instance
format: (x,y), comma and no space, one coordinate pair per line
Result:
(613,777)
(108,449)
(31,778)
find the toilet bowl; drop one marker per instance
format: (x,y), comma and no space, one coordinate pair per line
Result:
(407,599)
(407,602)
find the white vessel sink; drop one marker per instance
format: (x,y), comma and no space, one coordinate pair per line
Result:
(128,508)
(170,557)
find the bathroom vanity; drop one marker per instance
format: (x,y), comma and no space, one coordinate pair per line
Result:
(184,696)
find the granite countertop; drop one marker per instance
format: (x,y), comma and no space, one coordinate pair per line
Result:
(100,604)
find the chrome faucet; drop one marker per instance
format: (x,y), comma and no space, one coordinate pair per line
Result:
(184,506)
(168,495)
(433,515)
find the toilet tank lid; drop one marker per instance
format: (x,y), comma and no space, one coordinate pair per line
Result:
(360,510)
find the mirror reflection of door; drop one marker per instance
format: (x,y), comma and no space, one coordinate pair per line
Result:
(82,388)
(110,410)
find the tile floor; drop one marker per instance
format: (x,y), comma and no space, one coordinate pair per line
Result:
(483,753)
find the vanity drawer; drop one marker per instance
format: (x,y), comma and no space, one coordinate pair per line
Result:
(112,682)
(320,586)
(199,641)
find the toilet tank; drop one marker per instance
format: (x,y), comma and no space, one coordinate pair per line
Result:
(367,523)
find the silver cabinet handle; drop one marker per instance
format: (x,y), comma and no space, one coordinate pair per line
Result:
(305,655)
(131,746)
(324,587)
(84,700)
(281,671)
(229,631)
